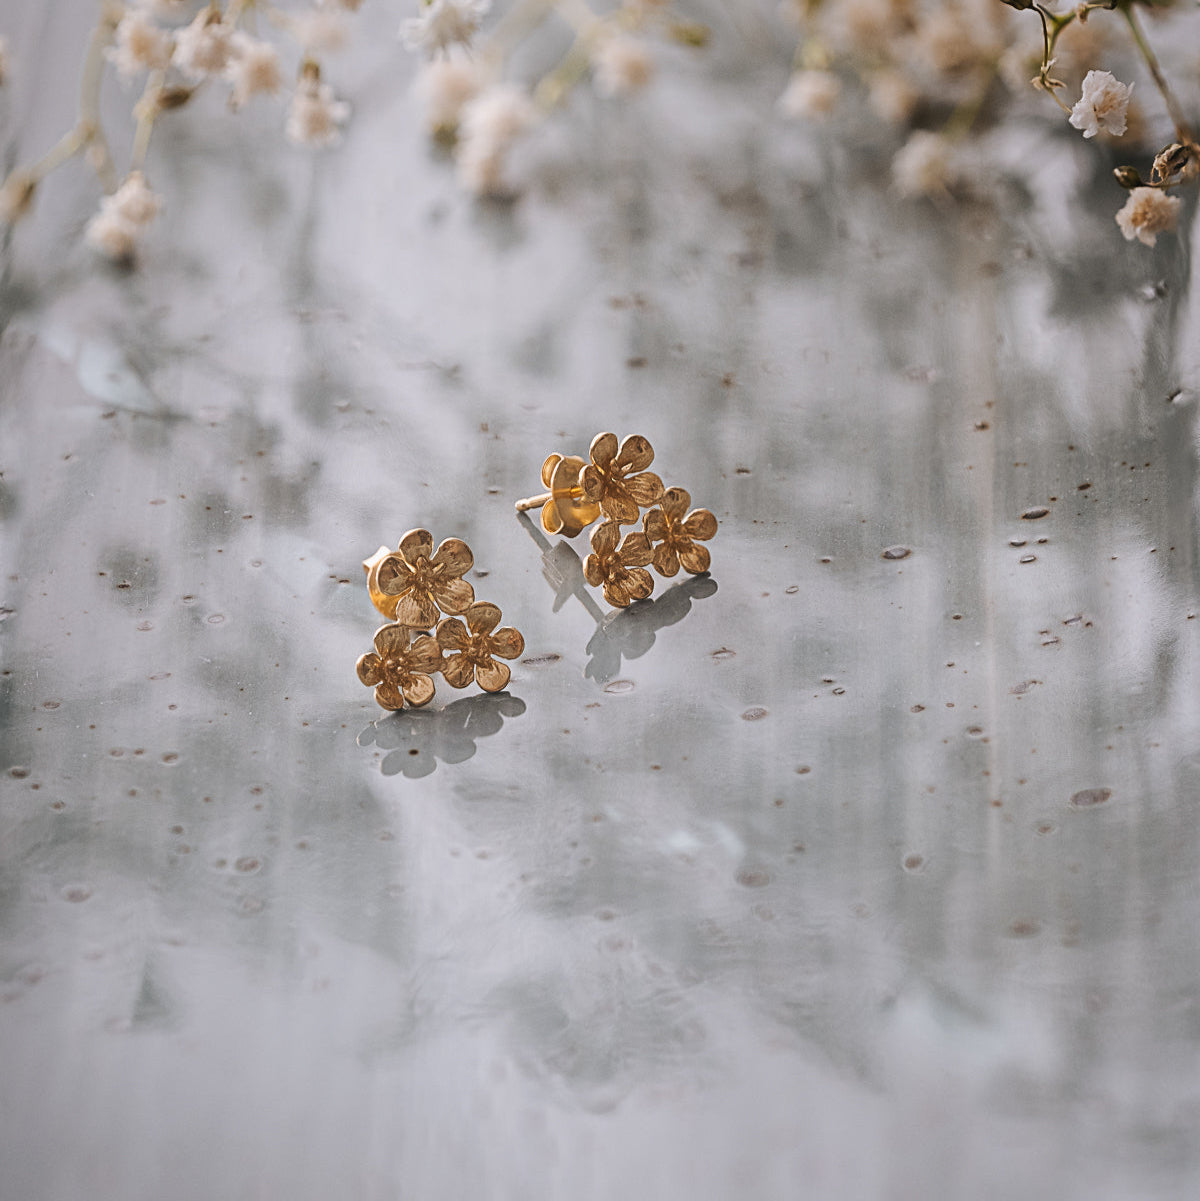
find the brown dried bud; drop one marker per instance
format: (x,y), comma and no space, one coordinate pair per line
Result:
(1127,177)
(1175,164)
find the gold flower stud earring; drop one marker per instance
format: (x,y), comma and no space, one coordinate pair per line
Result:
(615,485)
(414,586)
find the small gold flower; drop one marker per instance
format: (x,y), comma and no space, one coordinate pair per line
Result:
(677,535)
(476,643)
(568,510)
(400,669)
(620,569)
(607,479)
(421,581)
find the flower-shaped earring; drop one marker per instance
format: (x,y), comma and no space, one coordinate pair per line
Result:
(615,485)
(414,586)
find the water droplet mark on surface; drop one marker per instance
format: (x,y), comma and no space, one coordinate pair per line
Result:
(1086,798)
(896,552)
(723,653)
(914,863)
(1036,513)
(619,686)
(754,714)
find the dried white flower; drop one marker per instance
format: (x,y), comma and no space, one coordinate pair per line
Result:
(1147,213)
(810,94)
(253,69)
(922,166)
(622,65)
(315,115)
(133,202)
(490,124)
(444,23)
(139,45)
(446,85)
(112,237)
(1102,106)
(892,96)
(320,30)
(204,47)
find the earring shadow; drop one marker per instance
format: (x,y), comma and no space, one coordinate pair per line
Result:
(629,633)
(416,739)
(562,569)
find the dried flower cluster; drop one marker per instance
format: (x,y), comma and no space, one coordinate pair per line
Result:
(415,585)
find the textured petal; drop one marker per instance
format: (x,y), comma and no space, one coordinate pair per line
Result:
(387,696)
(548,469)
(458,671)
(635,550)
(552,520)
(452,596)
(640,583)
(452,635)
(615,593)
(507,642)
(617,506)
(391,641)
(593,572)
(416,544)
(455,556)
(694,558)
(424,655)
(392,576)
(419,689)
(417,609)
(605,537)
(636,454)
(700,523)
(482,617)
(368,666)
(492,676)
(666,561)
(593,482)
(644,489)
(655,525)
(675,502)
(603,449)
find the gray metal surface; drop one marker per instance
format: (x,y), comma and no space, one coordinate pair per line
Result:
(835,875)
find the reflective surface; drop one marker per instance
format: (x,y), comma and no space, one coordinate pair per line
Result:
(864,867)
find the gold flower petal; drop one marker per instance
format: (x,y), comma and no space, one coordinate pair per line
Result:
(424,655)
(617,506)
(694,558)
(636,454)
(416,609)
(655,525)
(416,544)
(548,469)
(605,537)
(603,449)
(392,576)
(593,482)
(666,560)
(482,617)
(452,635)
(419,689)
(635,550)
(454,555)
(507,642)
(593,572)
(700,523)
(452,596)
(615,593)
(640,583)
(391,641)
(552,519)
(492,676)
(388,696)
(675,502)
(458,671)
(368,666)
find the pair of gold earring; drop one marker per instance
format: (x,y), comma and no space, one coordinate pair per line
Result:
(419,589)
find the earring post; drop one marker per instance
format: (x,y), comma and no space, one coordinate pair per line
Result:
(532,502)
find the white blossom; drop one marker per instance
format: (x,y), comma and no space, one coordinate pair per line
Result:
(139,45)
(892,96)
(204,47)
(133,201)
(622,65)
(810,94)
(315,115)
(112,237)
(1147,213)
(446,85)
(253,68)
(1102,106)
(922,166)
(444,23)
(320,30)
(490,124)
